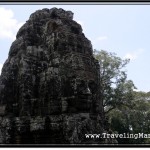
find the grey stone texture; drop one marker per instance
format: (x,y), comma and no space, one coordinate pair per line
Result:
(49,85)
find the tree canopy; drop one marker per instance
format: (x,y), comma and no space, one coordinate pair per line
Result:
(127,110)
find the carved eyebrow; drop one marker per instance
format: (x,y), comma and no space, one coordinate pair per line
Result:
(91,81)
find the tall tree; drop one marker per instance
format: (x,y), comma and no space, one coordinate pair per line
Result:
(127,110)
(116,90)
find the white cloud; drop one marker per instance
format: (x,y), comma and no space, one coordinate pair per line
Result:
(102,38)
(134,55)
(80,22)
(1,65)
(8,24)
(136,90)
(99,39)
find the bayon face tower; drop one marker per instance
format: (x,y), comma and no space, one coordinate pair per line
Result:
(49,86)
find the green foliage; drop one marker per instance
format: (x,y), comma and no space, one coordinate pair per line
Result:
(115,89)
(133,120)
(127,111)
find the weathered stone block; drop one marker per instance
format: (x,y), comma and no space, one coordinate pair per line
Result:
(49,86)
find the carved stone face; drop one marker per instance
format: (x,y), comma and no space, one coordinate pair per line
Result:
(80,94)
(70,81)
(80,87)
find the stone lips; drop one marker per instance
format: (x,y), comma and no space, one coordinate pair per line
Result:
(50,73)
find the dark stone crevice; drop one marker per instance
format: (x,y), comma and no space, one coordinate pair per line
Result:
(49,91)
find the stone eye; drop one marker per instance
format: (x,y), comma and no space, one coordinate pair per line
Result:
(81,86)
(93,86)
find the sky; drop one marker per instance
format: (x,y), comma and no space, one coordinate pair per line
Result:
(122,29)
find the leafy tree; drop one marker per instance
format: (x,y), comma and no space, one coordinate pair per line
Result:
(132,120)
(127,110)
(116,90)
(140,114)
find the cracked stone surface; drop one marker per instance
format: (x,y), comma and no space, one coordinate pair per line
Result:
(49,86)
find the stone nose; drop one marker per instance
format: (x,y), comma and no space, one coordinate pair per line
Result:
(87,91)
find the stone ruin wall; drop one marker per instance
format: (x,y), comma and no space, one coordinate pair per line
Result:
(49,86)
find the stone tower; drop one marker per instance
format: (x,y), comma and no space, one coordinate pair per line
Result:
(49,86)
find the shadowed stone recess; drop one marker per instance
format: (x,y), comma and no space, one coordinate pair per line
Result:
(49,85)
